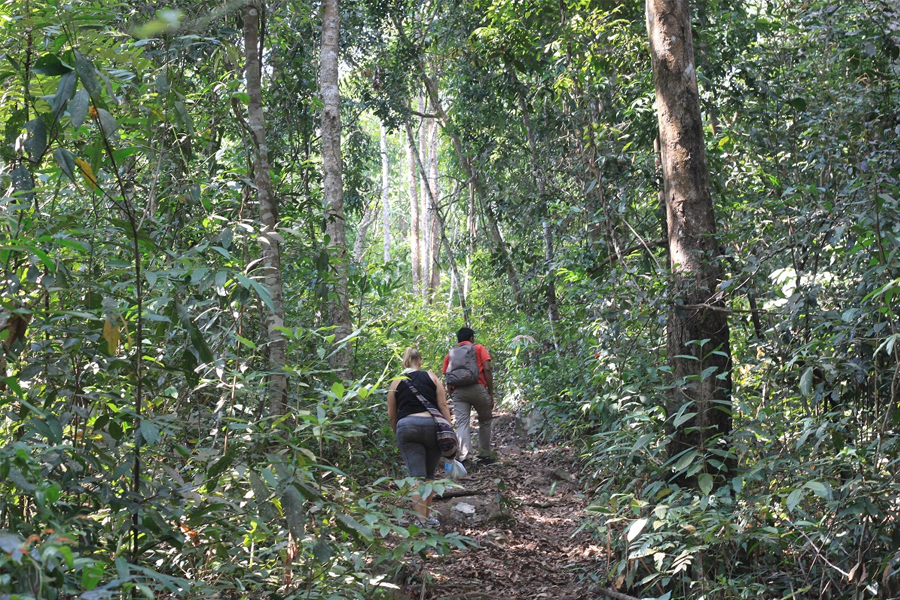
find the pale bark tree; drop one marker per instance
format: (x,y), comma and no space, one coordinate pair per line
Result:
(472,231)
(425,210)
(332,179)
(701,370)
(385,195)
(434,280)
(362,233)
(269,238)
(414,219)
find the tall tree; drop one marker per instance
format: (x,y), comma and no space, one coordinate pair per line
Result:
(434,252)
(698,341)
(268,210)
(332,181)
(385,194)
(415,245)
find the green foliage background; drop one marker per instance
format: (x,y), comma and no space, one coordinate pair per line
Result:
(137,452)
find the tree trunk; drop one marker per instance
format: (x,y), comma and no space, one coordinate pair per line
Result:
(362,233)
(385,194)
(698,342)
(470,221)
(332,182)
(434,281)
(425,207)
(414,219)
(268,213)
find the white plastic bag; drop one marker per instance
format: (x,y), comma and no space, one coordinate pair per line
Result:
(455,469)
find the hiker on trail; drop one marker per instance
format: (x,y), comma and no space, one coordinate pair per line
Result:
(414,426)
(467,371)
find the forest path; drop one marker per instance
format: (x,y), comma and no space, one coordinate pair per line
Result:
(525,519)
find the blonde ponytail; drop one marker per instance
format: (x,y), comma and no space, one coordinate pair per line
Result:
(411,358)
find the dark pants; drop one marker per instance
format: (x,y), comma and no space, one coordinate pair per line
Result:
(417,440)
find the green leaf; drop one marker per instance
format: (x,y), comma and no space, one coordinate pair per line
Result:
(635,529)
(794,498)
(294,513)
(107,123)
(684,418)
(91,576)
(806,382)
(37,138)
(78,107)
(641,442)
(705,481)
(685,461)
(798,103)
(261,291)
(22,182)
(64,92)
(88,75)
(66,162)
(351,525)
(819,488)
(149,432)
(50,65)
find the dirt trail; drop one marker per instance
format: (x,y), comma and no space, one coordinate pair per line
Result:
(525,520)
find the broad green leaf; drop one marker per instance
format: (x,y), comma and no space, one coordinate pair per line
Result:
(88,75)
(351,525)
(794,498)
(107,123)
(78,107)
(66,162)
(819,488)
(685,461)
(50,65)
(684,418)
(149,432)
(64,92)
(705,481)
(635,529)
(37,138)
(293,505)
(806,382)
(22,182)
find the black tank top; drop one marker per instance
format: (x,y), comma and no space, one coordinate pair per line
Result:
(407,402)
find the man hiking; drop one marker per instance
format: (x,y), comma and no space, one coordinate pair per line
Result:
(467,372)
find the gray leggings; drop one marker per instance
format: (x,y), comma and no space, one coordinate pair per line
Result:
(417,440)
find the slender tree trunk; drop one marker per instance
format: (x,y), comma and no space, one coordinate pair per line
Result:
(472,237)
(332,181)
(425,207)
(434,281)
(362,233)
(268,211)
(698,338)
(414,219)
(385,194)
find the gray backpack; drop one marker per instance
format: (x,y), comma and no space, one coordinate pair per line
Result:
(462,369)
